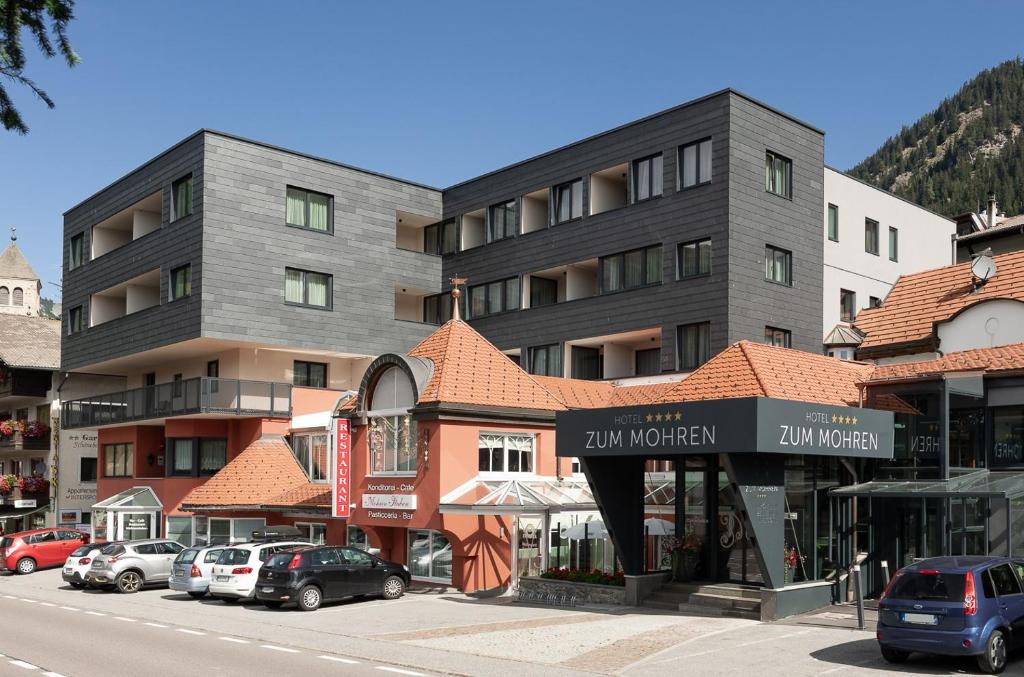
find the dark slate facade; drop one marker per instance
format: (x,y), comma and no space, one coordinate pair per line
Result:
(734,210)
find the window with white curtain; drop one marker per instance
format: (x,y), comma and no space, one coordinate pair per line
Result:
(196,456)
(568,201)
(695,163)
(694,345)
(648,178)
(628,270)
(506,453)
(181,198)
(778,174)
(309,209)
(307,288)
(545,360)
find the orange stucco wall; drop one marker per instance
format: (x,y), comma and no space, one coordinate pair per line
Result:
(313,400)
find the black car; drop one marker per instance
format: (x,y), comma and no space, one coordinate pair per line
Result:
(314,575)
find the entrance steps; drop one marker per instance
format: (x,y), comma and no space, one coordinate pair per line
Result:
(717,599)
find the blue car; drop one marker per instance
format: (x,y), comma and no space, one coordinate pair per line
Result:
(954,606)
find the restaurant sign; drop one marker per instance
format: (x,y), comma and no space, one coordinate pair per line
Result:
(740,425)
(341,503)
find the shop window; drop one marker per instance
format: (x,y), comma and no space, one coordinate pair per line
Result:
(393,445)
(1007,436)
(117,460)
(180,529)
(313,533)
(356,538)
(430,555)
(504,453)
(311,452)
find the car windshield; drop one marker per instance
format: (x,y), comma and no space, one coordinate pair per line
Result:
(187,556)
(930,585)
(113,549)
(82,551)
(234,556)
(280,561)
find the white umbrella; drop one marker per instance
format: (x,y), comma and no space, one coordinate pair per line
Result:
(658,527)
(594,529)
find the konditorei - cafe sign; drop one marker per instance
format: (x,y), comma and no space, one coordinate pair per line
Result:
(741,425)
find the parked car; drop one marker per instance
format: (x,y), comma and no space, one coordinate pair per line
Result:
(127,567)
(193,569)
(236,570)
(79,562)
(954,606)
(311,576)
(26,551)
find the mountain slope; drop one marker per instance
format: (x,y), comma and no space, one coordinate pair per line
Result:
(971,144)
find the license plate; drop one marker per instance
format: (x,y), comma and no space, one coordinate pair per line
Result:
(921,619)
(179,571)
(267,590)
(223,579)
(68,570)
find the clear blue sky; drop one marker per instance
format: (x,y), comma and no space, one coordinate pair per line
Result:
(437,92)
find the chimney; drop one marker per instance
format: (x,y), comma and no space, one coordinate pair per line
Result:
(991,210)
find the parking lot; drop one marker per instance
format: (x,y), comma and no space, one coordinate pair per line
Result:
(62,631)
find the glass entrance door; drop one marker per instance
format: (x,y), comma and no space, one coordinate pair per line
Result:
(968,535)
(736,555)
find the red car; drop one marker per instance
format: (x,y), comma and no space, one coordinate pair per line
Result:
(26,551)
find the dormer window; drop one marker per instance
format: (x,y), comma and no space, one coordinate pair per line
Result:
(392,431)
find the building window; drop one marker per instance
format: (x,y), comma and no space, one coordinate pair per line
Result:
(77,251)
(778,174)
(18,297)
(75,320)
(309,210)
(778,265)
(393,445)
(311,453)
(648,177)
(181,282)
(87,469)
(632,269)
(182,457)
(429,555)
(501,221)
(179,529)
(437,308)
(695,163)
(5,296)
(176,385)
(181,198)
(117,460)
(1007,436)
(356,538)
(833,223)
(871,236)
(213,455)
(306,288)
(647,362)
(894,244)
(441,238)
(874,302)
(502,453)
(543,291)
(847,305)
(197,456)
(568,201)
(309,374)
(694,258)
(781,338)
(586,363)
(694,345)
(494,297)
(546,360)
(312,533)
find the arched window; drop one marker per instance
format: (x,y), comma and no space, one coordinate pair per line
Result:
(19,296)
(392,431)
(392,391)
(5,296)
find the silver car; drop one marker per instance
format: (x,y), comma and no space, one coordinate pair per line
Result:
(193,569)
(127,567)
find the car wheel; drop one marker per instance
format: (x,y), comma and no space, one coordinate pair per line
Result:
(25,565)
(197,595)
(892,655)
(309,598)
(272,604)
(128,582)
(77,584)
(993,661)
(394,586)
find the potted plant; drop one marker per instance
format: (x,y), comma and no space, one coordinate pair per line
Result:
(791,558)
(33,430)
(686,557)
(9,427)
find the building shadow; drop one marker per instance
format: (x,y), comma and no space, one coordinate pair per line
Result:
(863,653)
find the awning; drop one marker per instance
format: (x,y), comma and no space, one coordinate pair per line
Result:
(500,497)
(980,483)
(18,513)
(131,499)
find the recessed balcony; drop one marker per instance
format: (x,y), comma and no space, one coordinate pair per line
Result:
(130,296)
(142,218)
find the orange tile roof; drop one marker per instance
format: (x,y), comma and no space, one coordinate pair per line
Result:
(624,396)
(577,393)
(470,370)
(254,477)
(306,495)
(916,302)
(1000,358)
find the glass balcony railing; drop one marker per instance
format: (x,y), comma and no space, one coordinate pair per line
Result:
(203,395)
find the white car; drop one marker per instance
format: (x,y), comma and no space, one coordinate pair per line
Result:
(80,561)
(234,574)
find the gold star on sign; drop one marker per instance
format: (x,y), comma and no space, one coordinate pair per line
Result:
(650,417)
(657,417)
(848,420)
(854,420)
(679,416)
(834,417)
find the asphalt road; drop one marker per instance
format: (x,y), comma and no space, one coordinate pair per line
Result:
(74,641)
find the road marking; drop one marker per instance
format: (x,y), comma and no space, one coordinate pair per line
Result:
(46,604)
(126,620)
(399,671)
(234,639)
(25,599)
(23,664)
(348,661)
(95,613)
(52,674)
(156,625)
(278,648)
(10,597)
(70,608)
(189,632)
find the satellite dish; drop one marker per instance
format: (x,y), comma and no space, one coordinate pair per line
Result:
(983,268)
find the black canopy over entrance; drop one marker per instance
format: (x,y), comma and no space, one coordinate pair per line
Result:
(751,436)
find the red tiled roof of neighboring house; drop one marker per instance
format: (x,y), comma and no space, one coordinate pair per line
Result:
(1000,358)
(309,495)
(470,370)
(1006,224)
(577,393)
(917,302)
(628,395)
(253,478)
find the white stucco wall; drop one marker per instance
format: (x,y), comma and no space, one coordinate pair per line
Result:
(924,242)
(984,325)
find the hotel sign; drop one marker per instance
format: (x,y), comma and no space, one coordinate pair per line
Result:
(741,425)
(341,505)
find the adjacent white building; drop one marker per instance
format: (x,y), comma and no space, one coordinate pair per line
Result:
(871,238)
